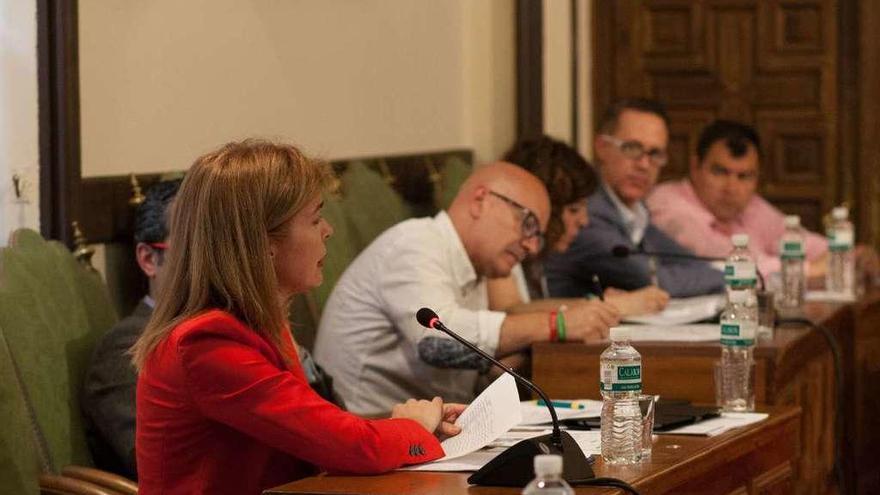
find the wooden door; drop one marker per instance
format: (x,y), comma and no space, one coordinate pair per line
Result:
(770,63)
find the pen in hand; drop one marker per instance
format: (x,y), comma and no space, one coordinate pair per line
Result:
(597,285)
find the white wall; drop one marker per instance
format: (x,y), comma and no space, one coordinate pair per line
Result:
(165,80)
(19,138)
(558,77)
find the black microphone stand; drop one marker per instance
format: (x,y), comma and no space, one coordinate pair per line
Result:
(515,466)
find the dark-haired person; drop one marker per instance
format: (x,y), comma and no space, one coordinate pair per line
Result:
(719,198)
(108,398)
(223,404)
(631,148)
(569,179)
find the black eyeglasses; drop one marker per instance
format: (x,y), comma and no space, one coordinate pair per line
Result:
(635,150)
(530,226)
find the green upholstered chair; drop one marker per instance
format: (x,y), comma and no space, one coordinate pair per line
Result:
(19,460)
(370,204)
(454,172)
(341,251)
(52,311)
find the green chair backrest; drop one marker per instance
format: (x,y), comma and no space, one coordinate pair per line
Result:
(52,311)
(19,458)
(454,172)
(341,249)
(370,204)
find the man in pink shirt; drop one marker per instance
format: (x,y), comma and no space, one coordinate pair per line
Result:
(718,199)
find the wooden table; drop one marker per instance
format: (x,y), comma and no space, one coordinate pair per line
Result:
(794,368)
(757,459)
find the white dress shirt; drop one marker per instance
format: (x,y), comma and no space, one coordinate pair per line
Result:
(368,337)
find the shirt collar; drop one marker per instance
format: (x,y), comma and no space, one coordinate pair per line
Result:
(635,219)
(150,302)
(462,269)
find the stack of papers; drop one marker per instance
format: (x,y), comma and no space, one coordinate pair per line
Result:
(828,296)
(683,310)
(717,426)
(704,332)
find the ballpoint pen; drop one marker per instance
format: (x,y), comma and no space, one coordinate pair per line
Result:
(565,404)
(597,286)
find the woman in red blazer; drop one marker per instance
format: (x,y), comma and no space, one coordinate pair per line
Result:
(223,405)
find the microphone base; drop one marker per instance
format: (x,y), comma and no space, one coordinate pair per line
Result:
(515,466)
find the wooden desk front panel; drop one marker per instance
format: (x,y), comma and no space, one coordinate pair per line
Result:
(755,460)
(793,369)
(571,371)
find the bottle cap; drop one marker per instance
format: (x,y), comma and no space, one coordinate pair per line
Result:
(840,213)
(792,221)
(618,334)
(548,464)
(740,240)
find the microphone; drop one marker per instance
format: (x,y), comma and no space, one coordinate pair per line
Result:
(514,466)
(621,251)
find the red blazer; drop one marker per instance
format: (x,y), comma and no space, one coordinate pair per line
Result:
(218,411)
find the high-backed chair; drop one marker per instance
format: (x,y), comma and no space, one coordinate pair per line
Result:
(370,204)
(52,310)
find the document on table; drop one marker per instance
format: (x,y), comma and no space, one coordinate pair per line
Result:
(703,332)
(683,310)
(717,426)
(828,296)
(490,415)
(533,414)
(590,442)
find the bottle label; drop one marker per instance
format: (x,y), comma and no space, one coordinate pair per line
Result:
(791,250)
(840,240)
(621,378)
(737,333)
(740,274)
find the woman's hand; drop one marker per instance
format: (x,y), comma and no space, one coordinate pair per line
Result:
(433,415)
(647,300)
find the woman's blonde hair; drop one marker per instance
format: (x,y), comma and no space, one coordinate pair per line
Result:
(232,201)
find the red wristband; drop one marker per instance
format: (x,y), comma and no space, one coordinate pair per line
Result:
(554,336)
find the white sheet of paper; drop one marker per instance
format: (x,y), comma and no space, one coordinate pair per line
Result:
(828,296)
(703,332)
(590,443)
(533,414)
(683,310)
(717,426)
(489,416)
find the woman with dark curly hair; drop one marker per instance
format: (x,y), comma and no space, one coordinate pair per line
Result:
(569,179)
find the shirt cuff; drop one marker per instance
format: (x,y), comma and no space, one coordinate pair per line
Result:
(490,329)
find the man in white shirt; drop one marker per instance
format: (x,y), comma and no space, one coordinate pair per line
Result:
(369,340)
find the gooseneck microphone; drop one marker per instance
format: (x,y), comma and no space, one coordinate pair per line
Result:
(621,251)
(429,319)
(514,466)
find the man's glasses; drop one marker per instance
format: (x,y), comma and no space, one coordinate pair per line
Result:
(635,150)
(530,226)
(158,246)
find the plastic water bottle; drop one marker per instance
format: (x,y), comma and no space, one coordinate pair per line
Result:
(841,265)
(739,323)
(621,385)
(548,477)
(791,253)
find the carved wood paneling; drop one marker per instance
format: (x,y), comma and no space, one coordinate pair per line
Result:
(779,481)
(771,63)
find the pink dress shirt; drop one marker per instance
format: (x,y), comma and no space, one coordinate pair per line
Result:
(677,210)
